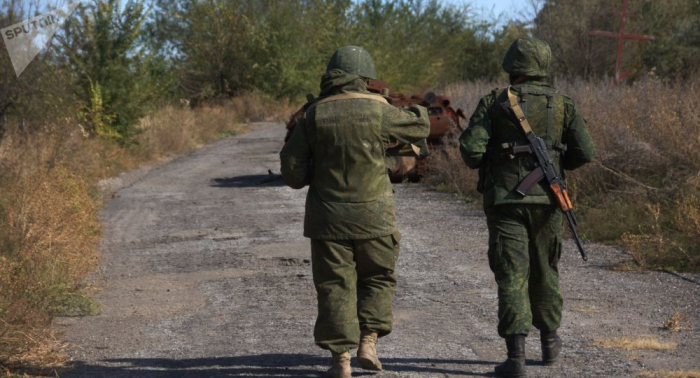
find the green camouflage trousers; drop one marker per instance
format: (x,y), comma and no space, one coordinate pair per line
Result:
(524,250)
(355,285)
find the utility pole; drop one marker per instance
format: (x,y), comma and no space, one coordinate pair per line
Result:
(621,37)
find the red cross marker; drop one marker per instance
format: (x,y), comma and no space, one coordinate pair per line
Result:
(621,37)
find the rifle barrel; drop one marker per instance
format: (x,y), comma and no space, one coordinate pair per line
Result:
(572,226)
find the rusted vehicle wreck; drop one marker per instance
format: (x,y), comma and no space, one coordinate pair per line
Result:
(409,162)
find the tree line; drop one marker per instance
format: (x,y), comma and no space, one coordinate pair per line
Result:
(675,24)
(114,61)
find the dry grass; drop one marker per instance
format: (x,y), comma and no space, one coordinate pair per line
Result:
(161,139)
(626,266)
(585,310)
(442,175)
(643,190)
(670,374)
(49,205)
(41,353)
(177,129)
(676,321)
(635,343)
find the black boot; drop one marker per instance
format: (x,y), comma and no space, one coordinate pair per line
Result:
(551,347)
(514,366)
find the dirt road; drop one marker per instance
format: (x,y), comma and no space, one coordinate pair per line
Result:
(207,275)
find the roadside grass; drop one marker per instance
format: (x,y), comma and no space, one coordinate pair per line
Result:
(585,310)
(669,374)
(642,192)
(447,172)
(43,354)
(676,322)
(49,205)
(635,343)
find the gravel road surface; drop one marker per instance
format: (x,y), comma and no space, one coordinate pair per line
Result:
(206,274)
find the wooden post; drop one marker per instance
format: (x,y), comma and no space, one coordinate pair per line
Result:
(621,37)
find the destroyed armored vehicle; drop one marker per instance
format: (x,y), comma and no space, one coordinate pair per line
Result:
(409,162)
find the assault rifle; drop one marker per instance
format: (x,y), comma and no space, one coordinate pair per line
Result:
(545,170)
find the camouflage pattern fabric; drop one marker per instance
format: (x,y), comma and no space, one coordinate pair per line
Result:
(491,130)
(528,57)
(338,148)
(524,250)
(353,60)
(355,285)
(525,232)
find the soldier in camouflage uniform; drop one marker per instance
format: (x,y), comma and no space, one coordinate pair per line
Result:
(525,232)
(338,149)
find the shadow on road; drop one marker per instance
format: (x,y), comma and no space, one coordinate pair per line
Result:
(248,181)
(260,366)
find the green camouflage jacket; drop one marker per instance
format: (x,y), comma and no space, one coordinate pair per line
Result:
(488,141)
(338,149)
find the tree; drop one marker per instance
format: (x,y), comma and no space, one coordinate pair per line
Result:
(565,24)
(109,66)
(676,25)
(40,90)
(280,47)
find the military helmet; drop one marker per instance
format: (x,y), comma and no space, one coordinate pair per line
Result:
(353,60)
(528,57)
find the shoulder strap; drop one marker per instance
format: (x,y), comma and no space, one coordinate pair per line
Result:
(349,96)
(550,116)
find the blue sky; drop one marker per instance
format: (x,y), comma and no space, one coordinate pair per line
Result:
(497,5)
(521,9)
(510,7)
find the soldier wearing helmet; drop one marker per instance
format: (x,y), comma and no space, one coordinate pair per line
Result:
(525,232)
(338,148)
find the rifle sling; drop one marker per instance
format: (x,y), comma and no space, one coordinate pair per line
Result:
(518,111)
(550,116)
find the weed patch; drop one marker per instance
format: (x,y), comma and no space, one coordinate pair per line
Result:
(676,322)
(585,310)
(635,343)
(49,203)
(670,374)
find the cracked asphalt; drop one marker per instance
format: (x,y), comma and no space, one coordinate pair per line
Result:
(205,273)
